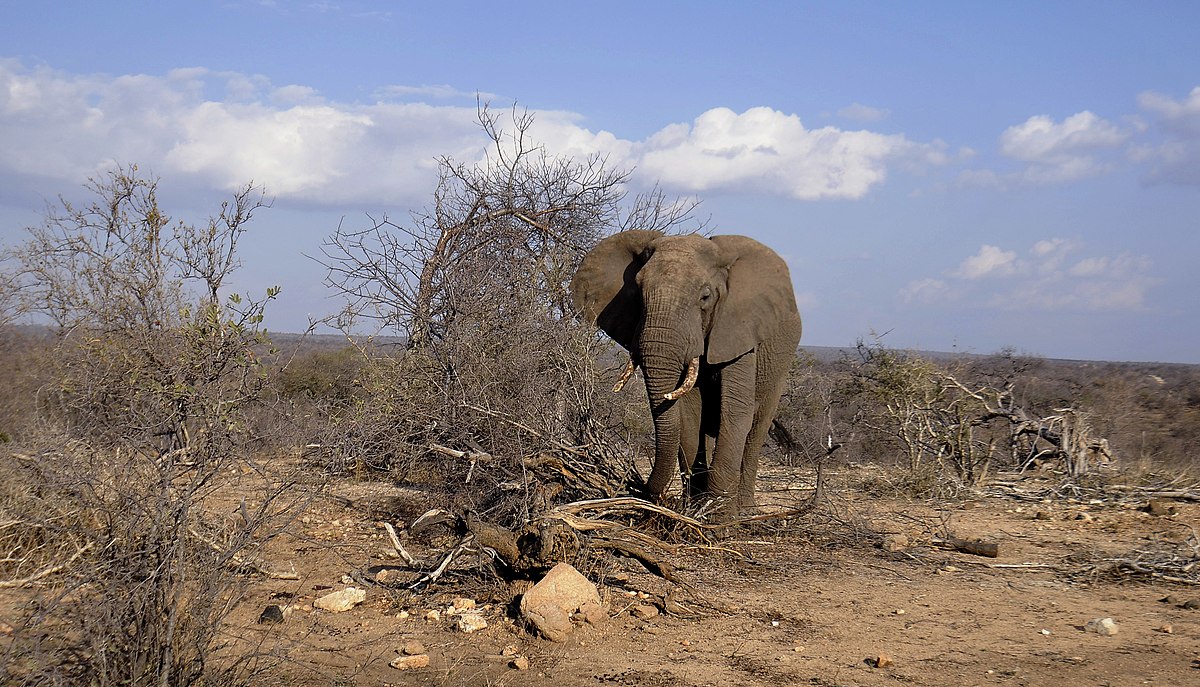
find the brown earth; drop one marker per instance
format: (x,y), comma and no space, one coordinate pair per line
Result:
(812,601)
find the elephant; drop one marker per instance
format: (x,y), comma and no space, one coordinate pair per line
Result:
(713,324)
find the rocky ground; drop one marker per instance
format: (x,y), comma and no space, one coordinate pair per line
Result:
(854,594)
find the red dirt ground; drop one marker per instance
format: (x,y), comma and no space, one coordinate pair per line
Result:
(814,602)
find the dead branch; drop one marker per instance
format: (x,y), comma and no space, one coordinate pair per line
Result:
(46,572)
(975,547)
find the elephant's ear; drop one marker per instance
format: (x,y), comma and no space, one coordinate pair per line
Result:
(758,303)
(604,289)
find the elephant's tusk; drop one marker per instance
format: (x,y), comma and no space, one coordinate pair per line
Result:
(625,375)
(689,380)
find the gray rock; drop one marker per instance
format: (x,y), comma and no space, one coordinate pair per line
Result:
(548,606)
(272,614)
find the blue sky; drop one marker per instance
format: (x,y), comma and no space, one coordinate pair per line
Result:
(960,175)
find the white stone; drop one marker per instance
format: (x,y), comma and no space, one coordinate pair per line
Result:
(1106,627)
(470,621)
(341,601)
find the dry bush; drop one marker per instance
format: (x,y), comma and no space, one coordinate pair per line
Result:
(493,398)
(132,563)
(948,422)
(128,567)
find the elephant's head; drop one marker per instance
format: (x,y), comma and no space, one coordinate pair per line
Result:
(674,300)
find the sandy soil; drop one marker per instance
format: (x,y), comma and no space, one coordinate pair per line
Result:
(814,602)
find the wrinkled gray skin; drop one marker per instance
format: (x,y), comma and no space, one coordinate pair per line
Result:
(727,300)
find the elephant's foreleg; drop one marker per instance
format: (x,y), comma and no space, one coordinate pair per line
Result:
(691,445)
(737,410)
(767,407)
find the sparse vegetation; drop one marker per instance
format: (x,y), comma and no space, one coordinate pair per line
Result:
(109,510)
(139,493)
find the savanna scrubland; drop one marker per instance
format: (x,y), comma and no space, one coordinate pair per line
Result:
(180,486)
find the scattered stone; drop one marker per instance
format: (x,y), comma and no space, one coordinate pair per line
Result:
(1169,599)
(879,661)
(470,621)
(1084,517)
(894,543)
(1042,515)
(644,611)
(6,629)
(899,611)
(463,604)
(519,663)
(388,576)
(346,579)
(434,615)
(1161,508)
(271,615)
(410,662)
(402,615)
(341,601)
(510,650)
(1166,629)
(1045,632)
(548,605)
(412,648)
(1190,604)
(1106,627)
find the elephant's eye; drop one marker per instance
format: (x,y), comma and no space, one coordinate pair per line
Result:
(706,294)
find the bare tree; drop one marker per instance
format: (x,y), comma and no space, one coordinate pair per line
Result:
(494,363)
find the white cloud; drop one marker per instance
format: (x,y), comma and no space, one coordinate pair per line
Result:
(226,128)
(1051,276)
(1176,159)
(767,150)
(863,113)
(1061,151)
(926,290)
(1182,116)
(989,261)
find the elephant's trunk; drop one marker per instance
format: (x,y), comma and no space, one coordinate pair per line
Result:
(664,386)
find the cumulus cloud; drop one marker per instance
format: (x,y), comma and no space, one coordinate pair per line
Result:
(989,261)
(771,151)
(1051,275)
(1176,158)
(223,129)
(1062,151)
